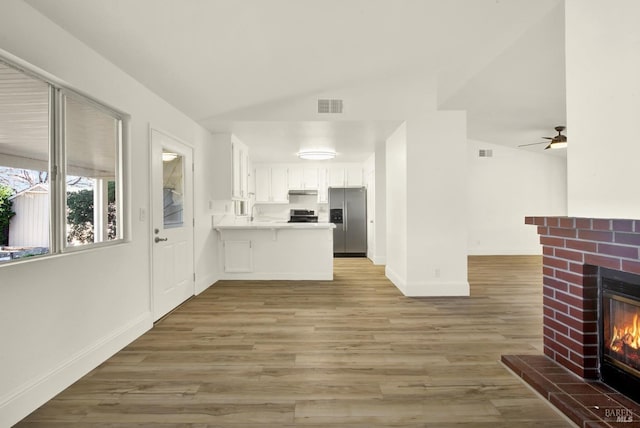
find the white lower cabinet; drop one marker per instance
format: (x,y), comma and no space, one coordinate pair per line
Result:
(238,256)
(276,251)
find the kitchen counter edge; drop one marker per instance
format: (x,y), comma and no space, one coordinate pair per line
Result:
(267,225)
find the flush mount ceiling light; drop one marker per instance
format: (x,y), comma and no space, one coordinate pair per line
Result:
(168,156)
(316,154)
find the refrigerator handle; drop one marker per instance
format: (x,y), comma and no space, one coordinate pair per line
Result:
(346,215)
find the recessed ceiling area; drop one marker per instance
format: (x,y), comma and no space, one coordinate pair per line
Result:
(353,141)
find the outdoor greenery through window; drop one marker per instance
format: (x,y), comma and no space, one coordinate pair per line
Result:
(60,167)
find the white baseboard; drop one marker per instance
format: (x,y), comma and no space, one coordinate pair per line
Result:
(204,283)
(284,276)
(23,400)
(437,289)
(427,289)
(397,280)
(378,260)
(504,251)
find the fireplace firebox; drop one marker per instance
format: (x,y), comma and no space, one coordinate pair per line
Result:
(619,331)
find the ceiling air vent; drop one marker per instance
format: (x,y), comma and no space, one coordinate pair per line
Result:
(329,106)
(485,153)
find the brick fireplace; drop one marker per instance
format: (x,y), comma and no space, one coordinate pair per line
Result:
(573,250)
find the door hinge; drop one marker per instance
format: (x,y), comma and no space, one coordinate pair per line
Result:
(194,222)
(194,277)
(193,167)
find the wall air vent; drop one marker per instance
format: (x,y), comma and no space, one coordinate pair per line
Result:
(485,153)
(329,106)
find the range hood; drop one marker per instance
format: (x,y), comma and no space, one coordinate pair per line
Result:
(302,192)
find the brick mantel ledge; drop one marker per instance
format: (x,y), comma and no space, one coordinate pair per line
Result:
(573,249)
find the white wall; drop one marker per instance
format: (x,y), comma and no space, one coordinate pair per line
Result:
(436,205)
(63,315)
(380,225)
(603,107)
(505,188)
(396,209)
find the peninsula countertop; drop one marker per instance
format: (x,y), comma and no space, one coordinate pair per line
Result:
(275,250)
(273,225)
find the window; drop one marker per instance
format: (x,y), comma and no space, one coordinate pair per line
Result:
(172,188)
(91,140)
(60,168)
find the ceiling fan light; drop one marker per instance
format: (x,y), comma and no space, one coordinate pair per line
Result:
(558,144)
(316,154)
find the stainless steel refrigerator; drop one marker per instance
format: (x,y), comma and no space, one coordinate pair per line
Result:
(348,211)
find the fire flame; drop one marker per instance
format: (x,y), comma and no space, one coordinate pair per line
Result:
(628,334)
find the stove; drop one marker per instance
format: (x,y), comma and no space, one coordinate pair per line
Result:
(302,216)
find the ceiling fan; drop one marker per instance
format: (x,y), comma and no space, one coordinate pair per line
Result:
(557,142)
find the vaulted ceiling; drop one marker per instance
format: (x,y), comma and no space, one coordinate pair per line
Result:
(500,60)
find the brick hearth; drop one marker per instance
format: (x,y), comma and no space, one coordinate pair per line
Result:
(573,249)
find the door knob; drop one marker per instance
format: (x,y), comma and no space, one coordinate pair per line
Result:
(158,239)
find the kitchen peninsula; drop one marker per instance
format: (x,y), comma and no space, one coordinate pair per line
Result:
(276,250)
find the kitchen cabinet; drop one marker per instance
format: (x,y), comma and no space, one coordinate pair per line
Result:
(279,185)
(354,176)
(303,178)
(295,178)
(230,168)
(238,256)
(276,251)
(240,171)
(345,177)
(335,177)
(323,185)
(271,185)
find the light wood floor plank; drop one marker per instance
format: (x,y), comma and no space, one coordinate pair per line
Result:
(351,352)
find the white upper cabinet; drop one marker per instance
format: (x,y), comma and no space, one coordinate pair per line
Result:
(351,176)
(230,168)
(295,178)
(310,178)
(303,178)
(262,179)
(273,181)
(323,192)
(335,177)
(271,185)
(354,176)
(240,171)
(279,185)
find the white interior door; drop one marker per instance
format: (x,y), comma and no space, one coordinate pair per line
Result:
(172,222)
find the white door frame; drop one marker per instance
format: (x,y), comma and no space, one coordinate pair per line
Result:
(152,226)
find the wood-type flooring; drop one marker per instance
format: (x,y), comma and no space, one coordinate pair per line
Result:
(353,352)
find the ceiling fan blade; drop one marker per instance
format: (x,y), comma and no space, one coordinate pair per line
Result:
(548,147)
(532,144)
(548,138)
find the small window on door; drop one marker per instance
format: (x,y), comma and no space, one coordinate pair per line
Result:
(172,188)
